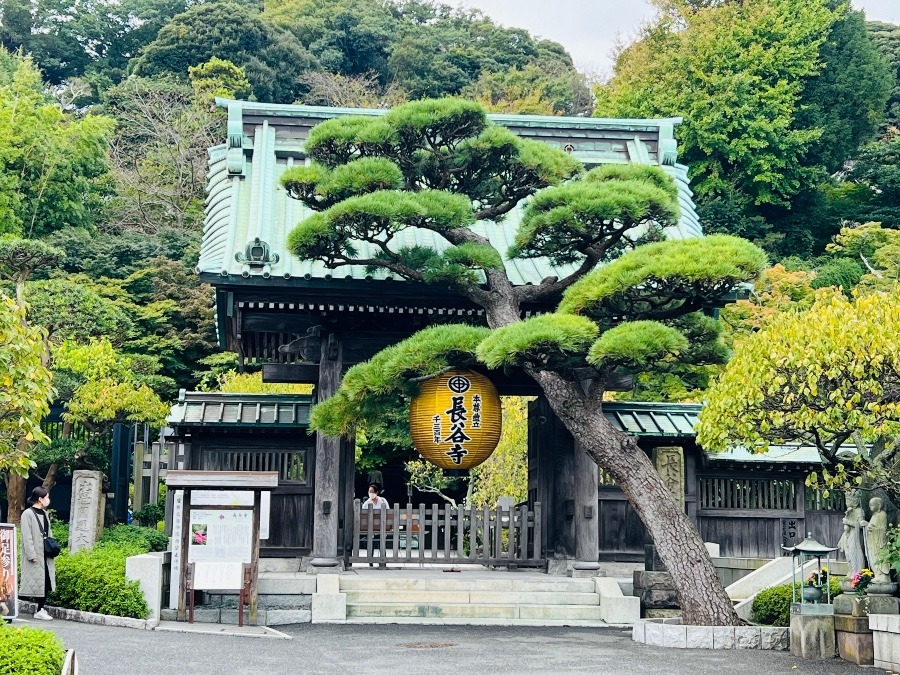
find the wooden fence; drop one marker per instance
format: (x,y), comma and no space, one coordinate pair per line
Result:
(442,534)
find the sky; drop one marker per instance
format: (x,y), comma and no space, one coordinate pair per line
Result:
(589,28)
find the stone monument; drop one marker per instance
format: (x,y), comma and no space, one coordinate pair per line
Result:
(88,507)
(654,585)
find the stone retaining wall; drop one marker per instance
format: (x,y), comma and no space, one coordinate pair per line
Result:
(670,633)
(886,638)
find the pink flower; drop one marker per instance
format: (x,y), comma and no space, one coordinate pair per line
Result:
(199,538)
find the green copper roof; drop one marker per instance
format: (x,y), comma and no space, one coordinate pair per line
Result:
(204,409)
(677,420)
(245,201)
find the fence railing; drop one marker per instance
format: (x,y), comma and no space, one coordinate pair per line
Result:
(442,534)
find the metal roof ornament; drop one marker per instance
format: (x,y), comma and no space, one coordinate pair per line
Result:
(257,252)
(809,547)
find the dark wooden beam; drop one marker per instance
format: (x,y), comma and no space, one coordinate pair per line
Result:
(293,373)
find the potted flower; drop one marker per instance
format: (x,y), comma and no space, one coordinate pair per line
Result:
(812,589)
(861,580)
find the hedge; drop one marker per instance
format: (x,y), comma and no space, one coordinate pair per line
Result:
(772,606)
(146,538)
(93,580)
(29,650)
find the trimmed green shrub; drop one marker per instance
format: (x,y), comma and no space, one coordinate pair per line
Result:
(150,515)
(61,533)
(93,580)
(145,538)
(29,650)
(772,606)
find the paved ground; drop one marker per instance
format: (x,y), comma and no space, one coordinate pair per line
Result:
(398,650)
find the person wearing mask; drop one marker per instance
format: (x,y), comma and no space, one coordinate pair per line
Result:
(375,499)
(38,570)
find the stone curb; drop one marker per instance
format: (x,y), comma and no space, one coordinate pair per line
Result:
(89,617)
(670,633)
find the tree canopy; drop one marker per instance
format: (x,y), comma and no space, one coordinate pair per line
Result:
(439,166)
(827,377)
(775,96)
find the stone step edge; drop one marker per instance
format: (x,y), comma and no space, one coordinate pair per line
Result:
(413,596)
(478,585)
(461,621)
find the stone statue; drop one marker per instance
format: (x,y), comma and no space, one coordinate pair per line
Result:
(876,540)
(851,540)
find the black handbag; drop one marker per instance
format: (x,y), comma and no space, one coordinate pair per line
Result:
(52,547)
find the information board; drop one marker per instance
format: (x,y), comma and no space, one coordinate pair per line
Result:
(9,605)
(220,535)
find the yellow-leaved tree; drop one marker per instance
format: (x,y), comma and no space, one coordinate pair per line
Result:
(828,377)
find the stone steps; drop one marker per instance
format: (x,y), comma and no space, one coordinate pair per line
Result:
(471,597)
(474,621)
(442,610)
(449,583)
(500,599)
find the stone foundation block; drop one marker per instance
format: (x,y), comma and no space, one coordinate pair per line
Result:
(663,613)
(746,637)
(328,583)
(851,624)
(652,581)
(329,607)
(284,617)
(882,604)
(659,599)
(886,638)
(619,609)
(723,637)
(858,648)
(230,616)
(699,637)
(851,605)
(812,636)
(773,638)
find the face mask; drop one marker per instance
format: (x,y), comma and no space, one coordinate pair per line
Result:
(371,495)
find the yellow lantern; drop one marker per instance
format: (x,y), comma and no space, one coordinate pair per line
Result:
(456,419)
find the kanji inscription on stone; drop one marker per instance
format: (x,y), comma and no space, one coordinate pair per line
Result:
(669,463)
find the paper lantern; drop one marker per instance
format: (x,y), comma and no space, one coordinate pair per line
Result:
(456,419)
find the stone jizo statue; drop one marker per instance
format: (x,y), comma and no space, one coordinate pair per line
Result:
(876,540)
(851,541)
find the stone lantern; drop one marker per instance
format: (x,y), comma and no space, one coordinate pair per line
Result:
(812,620)
(814,583)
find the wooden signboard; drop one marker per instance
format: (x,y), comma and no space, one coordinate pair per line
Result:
(213,531)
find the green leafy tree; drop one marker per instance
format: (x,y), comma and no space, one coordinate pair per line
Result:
(52,166)
(25,388)
(886,37)
(100,386)
(441,166)
(69,38)
(19,259)
(876,169)
(537,89)
(775,96)
(271,57)
(218,77)
(828,377)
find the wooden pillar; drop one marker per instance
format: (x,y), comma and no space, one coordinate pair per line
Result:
(587,531)
(327,506)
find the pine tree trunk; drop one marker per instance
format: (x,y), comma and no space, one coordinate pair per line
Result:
(50,478)
(15,498)
(700,592)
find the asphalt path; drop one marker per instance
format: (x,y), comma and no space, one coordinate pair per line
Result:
(396,650)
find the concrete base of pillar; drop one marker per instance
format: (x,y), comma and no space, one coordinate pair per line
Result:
(325,566)
(584,570)
(812,636)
